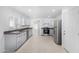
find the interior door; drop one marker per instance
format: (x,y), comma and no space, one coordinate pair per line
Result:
(70,30)
(64,30)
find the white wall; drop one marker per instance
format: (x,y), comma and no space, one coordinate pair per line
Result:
(41,22)
(5,13)
(71,29)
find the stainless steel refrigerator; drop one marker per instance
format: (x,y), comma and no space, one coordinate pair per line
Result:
(57,32)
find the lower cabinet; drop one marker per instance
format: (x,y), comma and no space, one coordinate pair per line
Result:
(21,38)
(13,41)
(51,32)
(29,33)
(10,43)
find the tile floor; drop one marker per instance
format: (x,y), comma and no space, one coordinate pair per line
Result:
(41,44)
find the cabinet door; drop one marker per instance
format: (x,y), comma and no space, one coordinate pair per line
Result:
(10,43)
(24,36)
(18,41)
(51,32)
(21,38)
(30,32)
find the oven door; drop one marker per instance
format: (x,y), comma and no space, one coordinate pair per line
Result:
(46,31)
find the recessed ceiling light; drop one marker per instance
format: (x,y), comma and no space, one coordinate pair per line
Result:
(29,10)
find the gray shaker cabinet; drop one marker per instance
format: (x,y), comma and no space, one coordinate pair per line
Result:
(10,42)
(29,33)
(13,41)
(22,37)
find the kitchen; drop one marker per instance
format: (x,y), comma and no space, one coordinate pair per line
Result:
(37,29)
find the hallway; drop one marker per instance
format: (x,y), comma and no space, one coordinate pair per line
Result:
(41,44)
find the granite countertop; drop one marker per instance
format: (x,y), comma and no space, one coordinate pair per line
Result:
(47,27)
(16,29)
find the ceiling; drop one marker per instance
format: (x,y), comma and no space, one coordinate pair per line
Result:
(40,11)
